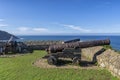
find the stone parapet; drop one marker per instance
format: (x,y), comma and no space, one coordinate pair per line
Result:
(108,59)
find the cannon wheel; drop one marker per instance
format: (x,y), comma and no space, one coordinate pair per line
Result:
(52,60)
(76,60)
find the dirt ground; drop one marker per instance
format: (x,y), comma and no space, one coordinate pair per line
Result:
(66,63)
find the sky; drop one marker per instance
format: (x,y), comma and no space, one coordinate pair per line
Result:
(60,17)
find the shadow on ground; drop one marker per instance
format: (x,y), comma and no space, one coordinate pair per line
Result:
(69,62)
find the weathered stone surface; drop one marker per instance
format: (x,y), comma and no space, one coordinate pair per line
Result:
(90,52)
(109,59)
(102,65)
(119,73)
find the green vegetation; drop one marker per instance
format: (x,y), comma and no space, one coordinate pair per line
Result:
(21,68)
(107,47)
(110,47)
(118,51)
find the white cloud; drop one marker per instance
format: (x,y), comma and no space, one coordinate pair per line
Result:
(78,28)
(1,19)
(23,29)
(30,31)
(40,29)
(3,25)
(66,29)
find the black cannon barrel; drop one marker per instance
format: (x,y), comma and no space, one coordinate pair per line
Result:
(73,40)
(85,44)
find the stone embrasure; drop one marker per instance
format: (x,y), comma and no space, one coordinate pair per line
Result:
(108,59)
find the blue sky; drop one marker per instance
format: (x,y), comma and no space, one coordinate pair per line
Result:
(58,17)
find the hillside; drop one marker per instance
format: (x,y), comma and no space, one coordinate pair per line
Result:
(5,35)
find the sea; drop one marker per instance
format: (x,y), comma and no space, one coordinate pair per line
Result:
(115,40)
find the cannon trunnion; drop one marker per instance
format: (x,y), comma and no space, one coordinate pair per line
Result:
(71,50)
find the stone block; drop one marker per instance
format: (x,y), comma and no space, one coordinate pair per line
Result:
(102,65)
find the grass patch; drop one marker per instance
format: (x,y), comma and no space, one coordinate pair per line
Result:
(107,47)
(110,47)
(21,68)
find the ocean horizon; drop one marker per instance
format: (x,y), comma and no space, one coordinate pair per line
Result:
(113,38)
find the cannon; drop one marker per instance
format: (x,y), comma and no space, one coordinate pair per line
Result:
(71,50)
(73,40)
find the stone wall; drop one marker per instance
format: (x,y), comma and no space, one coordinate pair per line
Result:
(40,45)
(90,52)
(108,59)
